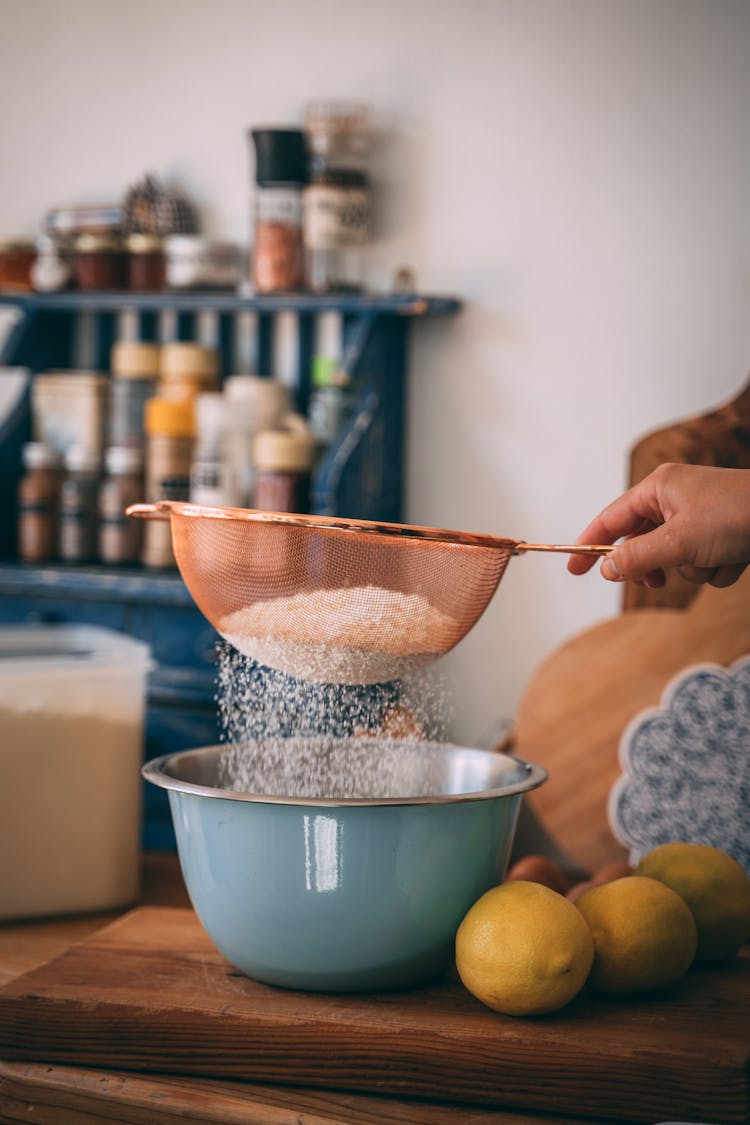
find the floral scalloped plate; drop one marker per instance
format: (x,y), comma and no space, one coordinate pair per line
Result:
(686,766)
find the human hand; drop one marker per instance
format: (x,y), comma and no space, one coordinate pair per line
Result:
(692,518)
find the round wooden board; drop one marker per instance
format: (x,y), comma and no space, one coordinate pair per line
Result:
(580,700)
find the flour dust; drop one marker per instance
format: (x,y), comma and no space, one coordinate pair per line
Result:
(289,737)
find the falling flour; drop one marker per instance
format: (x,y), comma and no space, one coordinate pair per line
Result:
(348,635)
(290,737)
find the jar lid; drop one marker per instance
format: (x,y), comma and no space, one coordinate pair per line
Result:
(287,450)
(37,455)
(280,156)
(169,417)
(90,243)
(133,359)
(180,359)
(81,459)
(123,460)
(143,244)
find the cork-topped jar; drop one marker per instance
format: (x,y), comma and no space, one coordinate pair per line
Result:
(135,370)
(98,261)
(188,369)
(283,461)
(145,263)
(170,434)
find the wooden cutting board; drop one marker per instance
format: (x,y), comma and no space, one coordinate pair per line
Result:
(580,700)
(151,993)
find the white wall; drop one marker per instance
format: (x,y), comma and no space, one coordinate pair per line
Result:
(578,171)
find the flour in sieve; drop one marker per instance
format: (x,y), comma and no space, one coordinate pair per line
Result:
(348,635)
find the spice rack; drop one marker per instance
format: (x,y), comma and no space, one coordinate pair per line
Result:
(361,477)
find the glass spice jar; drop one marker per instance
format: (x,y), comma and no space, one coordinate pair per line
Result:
(98,261)
(170,430)
(280,175)
(38,503)
(135,370)
(337,199)
(79,505)
(17,258)
(119,535)
(283,460)
(145,263)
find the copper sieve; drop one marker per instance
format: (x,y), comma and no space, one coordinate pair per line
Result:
(341,601)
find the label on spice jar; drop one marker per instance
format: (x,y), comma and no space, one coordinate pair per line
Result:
(172,487)
(336,216)
(279,205)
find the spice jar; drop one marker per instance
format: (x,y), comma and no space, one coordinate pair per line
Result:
(337,198)
(280,175)
(187,369)
(16,261)
(51,270)
(135,369)
(170,431)
(212,479)
(120,536)
(145,263)
(69,408)
(253,403)
(79,505)
(330,400)
(98,261)
(283,460)
(195,262)
(38,503)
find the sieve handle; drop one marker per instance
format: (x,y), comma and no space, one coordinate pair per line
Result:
(147,511)
(565,548)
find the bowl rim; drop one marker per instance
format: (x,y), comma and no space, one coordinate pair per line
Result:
(534,776)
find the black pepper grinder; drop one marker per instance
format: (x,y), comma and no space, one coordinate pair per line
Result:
(280,175)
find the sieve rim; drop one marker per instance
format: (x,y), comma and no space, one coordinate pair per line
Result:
(184,508)
(535,775)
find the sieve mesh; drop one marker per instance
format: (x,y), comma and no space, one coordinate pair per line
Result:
(341,601)
(322,603)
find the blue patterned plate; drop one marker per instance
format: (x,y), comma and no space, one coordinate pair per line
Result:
(686,766)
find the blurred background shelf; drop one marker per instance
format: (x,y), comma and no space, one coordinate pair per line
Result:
(362,475)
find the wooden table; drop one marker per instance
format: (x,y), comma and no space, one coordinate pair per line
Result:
(49,1094)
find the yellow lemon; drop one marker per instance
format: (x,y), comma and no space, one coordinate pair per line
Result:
(714,886)
(644,935)
(523,949)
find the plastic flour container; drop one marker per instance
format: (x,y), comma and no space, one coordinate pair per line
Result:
(71,735)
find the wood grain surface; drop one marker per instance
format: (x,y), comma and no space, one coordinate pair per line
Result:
(151,993)
(578,703)
(45,1094)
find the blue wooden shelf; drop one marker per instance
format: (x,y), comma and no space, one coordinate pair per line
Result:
(95,583)
(369,304)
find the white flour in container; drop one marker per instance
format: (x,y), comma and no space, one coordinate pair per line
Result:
(293,737)
(348,635)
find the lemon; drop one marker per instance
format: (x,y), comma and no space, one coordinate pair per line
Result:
(523,949)
(716,889)
(644,935)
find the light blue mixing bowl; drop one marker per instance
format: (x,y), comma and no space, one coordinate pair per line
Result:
(344,895)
